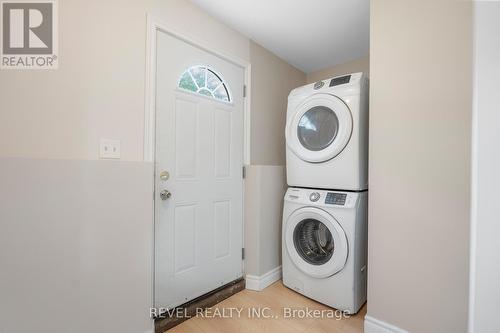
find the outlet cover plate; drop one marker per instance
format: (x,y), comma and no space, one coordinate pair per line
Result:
(109,148)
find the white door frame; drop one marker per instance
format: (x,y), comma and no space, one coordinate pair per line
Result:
(155,25)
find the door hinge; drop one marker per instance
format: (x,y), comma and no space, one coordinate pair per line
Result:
(243,253)
(244,172)
(244,91)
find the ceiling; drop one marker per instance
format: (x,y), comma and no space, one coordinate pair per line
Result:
(309,34)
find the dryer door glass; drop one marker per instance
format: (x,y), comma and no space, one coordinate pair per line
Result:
(313,241)
(317,128)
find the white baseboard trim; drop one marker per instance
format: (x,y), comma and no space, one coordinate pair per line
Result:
(258,283)
(373,325)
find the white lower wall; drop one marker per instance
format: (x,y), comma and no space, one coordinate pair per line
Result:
(485,271)
(265,188)
(76,241)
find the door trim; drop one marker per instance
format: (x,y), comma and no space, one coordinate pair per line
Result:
(155,25)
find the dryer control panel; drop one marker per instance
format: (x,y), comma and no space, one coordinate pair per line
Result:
(340,80)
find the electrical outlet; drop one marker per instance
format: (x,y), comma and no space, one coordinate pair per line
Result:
(109,148)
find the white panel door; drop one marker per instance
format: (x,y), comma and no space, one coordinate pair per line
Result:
(199,159)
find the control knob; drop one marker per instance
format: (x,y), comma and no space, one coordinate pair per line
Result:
(314,196)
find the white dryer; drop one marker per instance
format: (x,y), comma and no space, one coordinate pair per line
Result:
(325,246)
(327,134)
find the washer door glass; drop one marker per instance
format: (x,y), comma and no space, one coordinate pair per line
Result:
(317,128)
(313,241)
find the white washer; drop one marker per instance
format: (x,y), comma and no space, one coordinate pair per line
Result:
(325,246)
(327,134)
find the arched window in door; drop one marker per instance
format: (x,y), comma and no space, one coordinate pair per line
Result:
(205,81)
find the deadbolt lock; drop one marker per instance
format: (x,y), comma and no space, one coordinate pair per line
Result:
(164,175)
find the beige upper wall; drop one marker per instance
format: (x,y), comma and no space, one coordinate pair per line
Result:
(420,138)
(98,90)
(357,65)
(272,81)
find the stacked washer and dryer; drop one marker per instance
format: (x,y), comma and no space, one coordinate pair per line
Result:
(326,206)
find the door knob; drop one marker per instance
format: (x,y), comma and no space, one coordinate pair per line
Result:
(165,194)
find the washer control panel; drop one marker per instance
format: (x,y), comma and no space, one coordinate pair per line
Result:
(335,198)
(314,196)
(322,198)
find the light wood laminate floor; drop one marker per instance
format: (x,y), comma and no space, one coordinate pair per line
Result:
(274,299)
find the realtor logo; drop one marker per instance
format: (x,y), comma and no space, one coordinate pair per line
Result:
(29,35)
